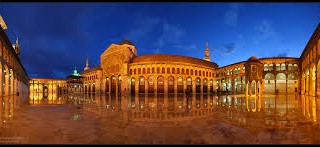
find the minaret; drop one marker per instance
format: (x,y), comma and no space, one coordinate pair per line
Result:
(87,65)
(16,47)
(206,55)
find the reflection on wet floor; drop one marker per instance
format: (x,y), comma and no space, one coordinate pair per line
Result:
(165,117)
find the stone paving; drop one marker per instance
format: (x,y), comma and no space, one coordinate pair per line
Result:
(72,124)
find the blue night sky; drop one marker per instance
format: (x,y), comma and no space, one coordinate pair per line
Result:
(56,37)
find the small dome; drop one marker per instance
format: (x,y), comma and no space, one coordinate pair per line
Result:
(254,59)
(126,42)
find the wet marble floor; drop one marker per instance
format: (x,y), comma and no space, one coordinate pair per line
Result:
(210,120)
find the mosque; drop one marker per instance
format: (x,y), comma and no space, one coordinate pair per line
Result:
(123,71)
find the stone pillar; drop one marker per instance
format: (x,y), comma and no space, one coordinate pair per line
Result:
(7,84)
(155,85)
(201,86)
(165,85)
(250,88)
(247,89)
(136,86)
(146,86)
(233,86)
(109,83)
(117,83)
(309,83)
(175,85)
(184,85)
(208,87)
(262,87)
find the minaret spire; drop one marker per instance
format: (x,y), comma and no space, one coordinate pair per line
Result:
(87,64)
(16,47)
(206,54)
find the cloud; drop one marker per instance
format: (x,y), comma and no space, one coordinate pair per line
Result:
(264,31)
(283,54)
(231,16)
(227,48)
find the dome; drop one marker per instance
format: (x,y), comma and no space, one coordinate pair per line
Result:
(156,58)
(254,59)
(126,42)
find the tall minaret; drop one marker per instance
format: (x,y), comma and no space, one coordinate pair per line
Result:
(16,47)
(87,65)
(206,55)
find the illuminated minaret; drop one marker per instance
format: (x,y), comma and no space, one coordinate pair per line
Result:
(206,55)
(16,47)
(87,65)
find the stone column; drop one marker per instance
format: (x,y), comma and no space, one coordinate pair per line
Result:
(146,86)
(262,87)
(109,83)
(175,85)
(250,88)
(136,86)
(201,86)
(184,85)
(155,84)
(165,85)
(247,89)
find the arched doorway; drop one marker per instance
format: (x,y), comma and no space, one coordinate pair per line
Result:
(141,85)
(281,83)
(237,84)
(198,85)
(133,86)
(292,86)
(160,84)
(253,87)
(211,85)
(171,84)
(94,87)
(189,84)
(269,84)
(119,84)
(151,84)
(107,85)
(113,84)
(205,86)
(45,92)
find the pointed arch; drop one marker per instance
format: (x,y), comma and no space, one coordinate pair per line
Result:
(170,84)
(160,84)
(141,84)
